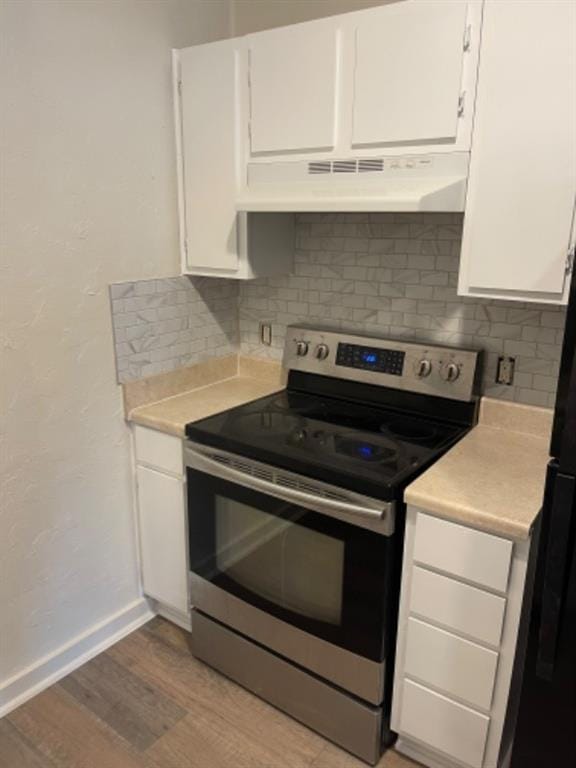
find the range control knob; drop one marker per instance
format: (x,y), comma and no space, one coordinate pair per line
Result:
(423,368)
(301,348)
(322,351)
(450,371)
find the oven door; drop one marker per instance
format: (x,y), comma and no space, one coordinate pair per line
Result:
(279,549)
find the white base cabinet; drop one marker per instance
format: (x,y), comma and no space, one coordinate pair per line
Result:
(162,521)
(162,531)
(460,606)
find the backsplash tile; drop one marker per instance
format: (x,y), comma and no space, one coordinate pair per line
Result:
(166,324)
(382,274)
(396,274)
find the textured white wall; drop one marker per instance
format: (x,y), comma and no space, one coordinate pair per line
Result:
(88,198)
(255,15)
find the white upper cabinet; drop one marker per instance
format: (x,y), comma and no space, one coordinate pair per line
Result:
(522,183)
(211,91)
(293,88)
(394,78)
(408,73)
(210,125)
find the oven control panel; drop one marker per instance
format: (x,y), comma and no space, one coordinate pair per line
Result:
(368,358)
(430,369)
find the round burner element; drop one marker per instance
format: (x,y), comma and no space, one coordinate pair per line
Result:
(297,406)
(408,431)
(265,423)
(298,437)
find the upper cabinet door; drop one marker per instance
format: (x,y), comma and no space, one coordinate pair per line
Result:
(210,85)
(408,74)
(293,88)
(522,182)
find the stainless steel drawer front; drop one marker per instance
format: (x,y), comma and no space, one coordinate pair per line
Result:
(353,725)
(362,677)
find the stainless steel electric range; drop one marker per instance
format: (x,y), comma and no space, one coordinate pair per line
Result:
(296,518)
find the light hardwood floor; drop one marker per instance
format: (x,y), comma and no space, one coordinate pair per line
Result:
(147,703)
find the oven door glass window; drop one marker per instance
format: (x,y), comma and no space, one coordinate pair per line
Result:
(322,575)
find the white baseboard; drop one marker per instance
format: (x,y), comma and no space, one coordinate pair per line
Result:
(422,755)
(183,620)
(56,665)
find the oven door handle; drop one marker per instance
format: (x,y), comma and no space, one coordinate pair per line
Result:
(283,485)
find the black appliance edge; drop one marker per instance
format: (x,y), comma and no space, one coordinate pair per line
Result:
(544,709)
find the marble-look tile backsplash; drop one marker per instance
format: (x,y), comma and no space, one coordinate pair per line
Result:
(383,274)
(396,275)
(162,325)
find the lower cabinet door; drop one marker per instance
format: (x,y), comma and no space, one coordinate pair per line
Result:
(163,538)
(444,725)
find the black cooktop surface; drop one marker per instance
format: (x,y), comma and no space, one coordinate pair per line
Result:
(372,450)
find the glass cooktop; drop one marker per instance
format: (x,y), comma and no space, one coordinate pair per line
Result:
(372,450)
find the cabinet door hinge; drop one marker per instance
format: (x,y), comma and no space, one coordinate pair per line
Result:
(179,88)
(467,37)
(185,244)
(461,100)
(570,260)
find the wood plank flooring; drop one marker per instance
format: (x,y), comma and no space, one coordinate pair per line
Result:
(147,703)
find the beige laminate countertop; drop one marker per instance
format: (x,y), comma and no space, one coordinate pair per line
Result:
(493,479)
(172,414)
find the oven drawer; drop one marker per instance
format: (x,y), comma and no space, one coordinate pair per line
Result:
(344,719)
(451,664)
(443,724)
(457,606)
(471,555)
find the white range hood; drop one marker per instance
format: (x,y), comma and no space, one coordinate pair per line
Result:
(434,182)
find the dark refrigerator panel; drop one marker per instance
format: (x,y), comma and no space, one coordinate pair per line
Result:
(545,730)
(545,698)
(563,444)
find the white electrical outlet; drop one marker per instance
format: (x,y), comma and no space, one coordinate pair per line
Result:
(266,334)
(505,370)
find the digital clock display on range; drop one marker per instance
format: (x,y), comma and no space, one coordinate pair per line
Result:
(389,361)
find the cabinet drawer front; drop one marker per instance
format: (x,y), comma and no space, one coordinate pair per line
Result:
(443,724)
(456,666)
(158,450)
(472,555)
(457,606)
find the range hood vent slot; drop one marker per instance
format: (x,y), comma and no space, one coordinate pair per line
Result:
(320,167)
(370,164)
(363,165)
(344,166)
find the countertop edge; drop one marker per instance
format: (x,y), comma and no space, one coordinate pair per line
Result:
(166,427)
(148,416)
(151,417)
(472,517)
